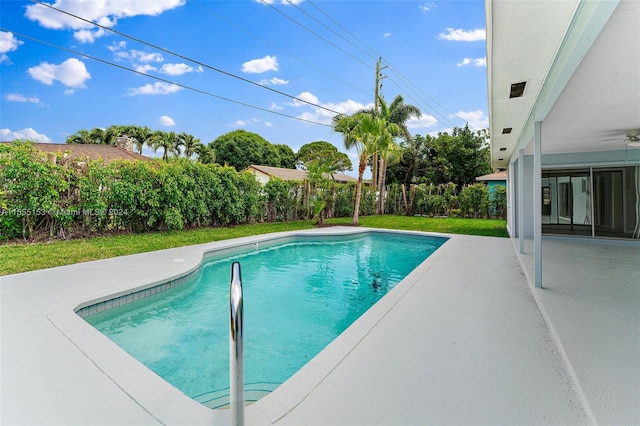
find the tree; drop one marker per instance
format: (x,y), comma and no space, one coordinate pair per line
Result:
(240,149)
(287,156)
(414,161)
(205,153)
(81,136)
(396,115)
(460,157)
(360,131)
(190,143)
(165,141)
(320,151)
(319,171)
(141,136)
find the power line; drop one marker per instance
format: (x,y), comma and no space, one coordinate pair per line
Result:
(343,28)
(46,43)
(339,35)
(310,65)
(317,35)
(399,74)
(186,58)
(402,78)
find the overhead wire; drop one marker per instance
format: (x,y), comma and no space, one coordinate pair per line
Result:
(316,34)
(262,40)
(416,87)
(162,49)
(164,80)
(374,57)
(404,80)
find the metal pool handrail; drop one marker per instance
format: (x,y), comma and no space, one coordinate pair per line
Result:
(236,347)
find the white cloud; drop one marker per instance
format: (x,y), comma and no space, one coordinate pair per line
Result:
(324,116)
(138,56)
(145,68)
(69,92)
(268,124)
(274,82)
(28,133)
(462,35)
(305,96)
(477,119)
(248,121)
(385,35)
(424,121)
(105,12)
(275,107)
(178,69)
(16,97)
(257,66)
(8,43)
(114,47)
(477,62)
(167,121)
(88,36)
(159,88)
(425,7)
(71,73)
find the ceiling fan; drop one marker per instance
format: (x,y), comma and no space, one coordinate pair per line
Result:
(631,137)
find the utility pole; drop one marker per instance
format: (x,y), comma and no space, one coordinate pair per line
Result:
(379,78)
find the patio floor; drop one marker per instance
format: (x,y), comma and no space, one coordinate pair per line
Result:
(591,297)
(460,341)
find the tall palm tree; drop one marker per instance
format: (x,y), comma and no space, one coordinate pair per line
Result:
(141,136)
(397,113)
(165,141)
(190,144)
(360,131)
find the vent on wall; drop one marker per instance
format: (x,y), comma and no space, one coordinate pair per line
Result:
(517,89)
(507,130)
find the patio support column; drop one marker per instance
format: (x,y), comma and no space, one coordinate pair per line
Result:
(537,204)
(520,209)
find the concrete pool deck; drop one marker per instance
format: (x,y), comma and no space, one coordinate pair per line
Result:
(461,340)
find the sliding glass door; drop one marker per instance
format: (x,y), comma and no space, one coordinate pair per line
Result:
(600,202)
(566,202)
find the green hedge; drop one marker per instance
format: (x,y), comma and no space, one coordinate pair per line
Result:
(38,197)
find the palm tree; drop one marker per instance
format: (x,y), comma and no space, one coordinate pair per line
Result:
(141,136)
(397,113)
(190,144)
(206,154)
(360,131)
(97,135)
(81,136)
(165,141)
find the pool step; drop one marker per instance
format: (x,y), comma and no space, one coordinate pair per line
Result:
(220,398)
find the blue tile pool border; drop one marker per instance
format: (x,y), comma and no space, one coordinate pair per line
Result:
(208,255)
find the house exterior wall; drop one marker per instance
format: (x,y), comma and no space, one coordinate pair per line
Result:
(261,177)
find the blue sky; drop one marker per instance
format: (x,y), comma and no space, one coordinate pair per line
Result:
(320,51)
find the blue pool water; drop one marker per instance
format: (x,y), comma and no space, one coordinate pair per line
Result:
(298,297)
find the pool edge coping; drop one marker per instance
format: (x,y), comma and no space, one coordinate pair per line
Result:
(166,403)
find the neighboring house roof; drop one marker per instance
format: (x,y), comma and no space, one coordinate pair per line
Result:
(77,151)
(294,174)
(493,176)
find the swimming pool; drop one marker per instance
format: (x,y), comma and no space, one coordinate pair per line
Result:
(300,294)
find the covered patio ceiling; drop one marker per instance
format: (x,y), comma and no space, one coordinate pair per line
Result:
(601,98)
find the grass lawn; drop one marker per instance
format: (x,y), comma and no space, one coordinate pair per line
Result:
(450,225)
(16,258)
